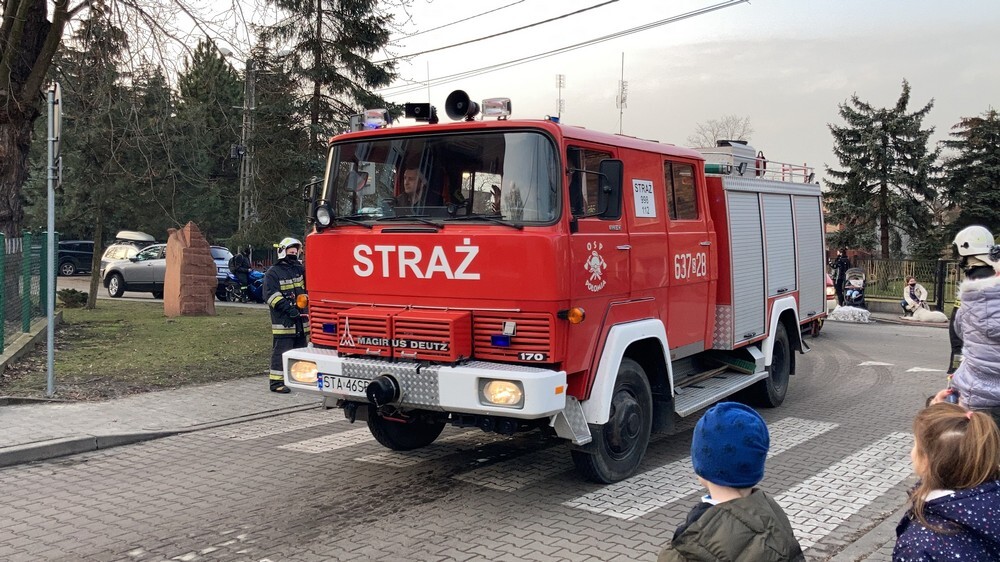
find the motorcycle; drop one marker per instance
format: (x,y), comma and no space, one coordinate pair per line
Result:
(255,288)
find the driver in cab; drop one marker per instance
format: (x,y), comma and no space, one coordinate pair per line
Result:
(412,199)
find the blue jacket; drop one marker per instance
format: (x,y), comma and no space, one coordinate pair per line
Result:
(977,321)
(975,511)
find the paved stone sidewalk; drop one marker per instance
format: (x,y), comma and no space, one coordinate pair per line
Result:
(44,430)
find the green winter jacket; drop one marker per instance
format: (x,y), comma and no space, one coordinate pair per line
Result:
(750,529)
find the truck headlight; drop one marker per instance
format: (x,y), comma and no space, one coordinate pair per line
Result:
(303,371)
(501,393)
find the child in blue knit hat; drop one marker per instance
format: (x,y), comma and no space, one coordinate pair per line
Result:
(735,521)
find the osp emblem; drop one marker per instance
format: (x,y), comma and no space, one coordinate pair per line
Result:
(595,265)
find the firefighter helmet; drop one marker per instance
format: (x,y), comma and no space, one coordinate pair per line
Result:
(285,244)
(974,241)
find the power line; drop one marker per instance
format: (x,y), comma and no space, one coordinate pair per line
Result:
(406,89)
(463,20)
(523,27)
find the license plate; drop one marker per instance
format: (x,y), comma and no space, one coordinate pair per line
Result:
(342,385)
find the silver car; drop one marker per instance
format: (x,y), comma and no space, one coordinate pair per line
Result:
(144,272)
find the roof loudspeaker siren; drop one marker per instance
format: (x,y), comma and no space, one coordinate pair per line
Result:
(458,106)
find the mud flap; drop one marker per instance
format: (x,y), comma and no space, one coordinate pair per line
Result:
(571,424)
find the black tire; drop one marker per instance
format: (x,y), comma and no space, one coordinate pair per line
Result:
(157,294)
(116,285)
(622,443)
(233,293)
(67,269)
(770,392)
(400,436)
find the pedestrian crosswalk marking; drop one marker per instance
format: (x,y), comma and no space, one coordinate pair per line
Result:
(923,370)
(331,442)
(439,449)
(268,427)
(820,504)
(656,488)
(874,364)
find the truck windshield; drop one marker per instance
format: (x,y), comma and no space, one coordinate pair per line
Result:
(509,176)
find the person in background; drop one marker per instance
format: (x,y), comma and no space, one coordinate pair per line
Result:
(735,521)
(955,507)
(914,296)
(840,266)
(239,265)
(284,284)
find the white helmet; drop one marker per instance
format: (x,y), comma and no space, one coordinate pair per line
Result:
(285,244)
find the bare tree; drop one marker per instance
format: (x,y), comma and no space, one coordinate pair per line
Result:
(728,127)
(30,37)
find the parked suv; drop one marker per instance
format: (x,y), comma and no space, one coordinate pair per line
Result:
(75,256)
(146,270)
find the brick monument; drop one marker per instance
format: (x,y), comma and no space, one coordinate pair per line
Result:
(190,282)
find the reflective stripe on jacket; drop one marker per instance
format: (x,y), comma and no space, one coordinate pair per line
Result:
(283,282)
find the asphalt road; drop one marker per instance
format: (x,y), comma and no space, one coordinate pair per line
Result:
(311,486)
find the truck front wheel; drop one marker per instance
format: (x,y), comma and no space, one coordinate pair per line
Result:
(402,436)
(621,444)
(770,392)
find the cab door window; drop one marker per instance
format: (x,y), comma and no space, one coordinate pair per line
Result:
(584,182)
(682,194)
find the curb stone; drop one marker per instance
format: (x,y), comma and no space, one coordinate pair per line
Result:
(61,447)
(871,541)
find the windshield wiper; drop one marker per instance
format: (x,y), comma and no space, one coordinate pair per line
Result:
(418,218)
(496,219)
(353,219)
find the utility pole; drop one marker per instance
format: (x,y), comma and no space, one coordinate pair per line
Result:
(622,98)
(248,205)
(560,84)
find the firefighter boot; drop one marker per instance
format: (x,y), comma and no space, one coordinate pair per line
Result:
(277,384)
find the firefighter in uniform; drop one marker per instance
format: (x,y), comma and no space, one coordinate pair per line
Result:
(284,283)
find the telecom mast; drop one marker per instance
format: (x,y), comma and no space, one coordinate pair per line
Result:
(622,98)
(560,84)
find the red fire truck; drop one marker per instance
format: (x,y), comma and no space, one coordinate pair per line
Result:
(524,274)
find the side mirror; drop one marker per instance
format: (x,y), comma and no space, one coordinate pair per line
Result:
(356,181)
(309,189)
(609,193)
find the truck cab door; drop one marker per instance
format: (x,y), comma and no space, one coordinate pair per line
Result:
(599,250)
(690,261)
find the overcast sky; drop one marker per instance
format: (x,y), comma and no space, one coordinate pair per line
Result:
(784,63)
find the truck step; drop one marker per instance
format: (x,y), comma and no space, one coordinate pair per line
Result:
(690,399)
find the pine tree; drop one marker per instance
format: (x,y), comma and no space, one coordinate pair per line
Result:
(884,185)
(972,176)
(334,41)
(96,191)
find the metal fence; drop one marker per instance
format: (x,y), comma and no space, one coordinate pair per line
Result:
(23,291)
(885,279)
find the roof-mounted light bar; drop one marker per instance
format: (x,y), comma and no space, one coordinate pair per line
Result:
(376,118)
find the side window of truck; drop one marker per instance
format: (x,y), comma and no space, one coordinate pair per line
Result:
(682,194)
(584,181)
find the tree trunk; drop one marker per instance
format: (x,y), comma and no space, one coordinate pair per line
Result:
(884,221)
(314,142)
(16,126)
(95,262)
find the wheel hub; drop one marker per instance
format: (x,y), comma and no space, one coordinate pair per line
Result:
(622,431)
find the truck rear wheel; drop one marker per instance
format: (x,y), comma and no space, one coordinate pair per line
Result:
(770,392)
(622,442)
(401,436)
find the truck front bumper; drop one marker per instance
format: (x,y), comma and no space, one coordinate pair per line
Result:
(436,387)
